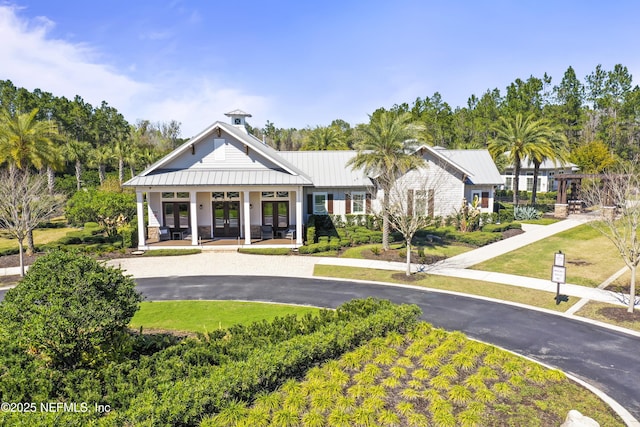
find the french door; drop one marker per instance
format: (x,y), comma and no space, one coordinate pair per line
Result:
(276,214)
(226,218)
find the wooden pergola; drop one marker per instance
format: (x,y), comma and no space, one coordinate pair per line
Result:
(573,203)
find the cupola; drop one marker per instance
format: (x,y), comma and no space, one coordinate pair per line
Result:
(238,119)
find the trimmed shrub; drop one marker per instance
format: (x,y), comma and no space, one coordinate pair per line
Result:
(311,234)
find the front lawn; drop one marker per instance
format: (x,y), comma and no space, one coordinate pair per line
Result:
(526,296)
(590,257)
(203,316)
(41,236)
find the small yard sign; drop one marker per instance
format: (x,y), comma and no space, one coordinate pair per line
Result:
(559,275)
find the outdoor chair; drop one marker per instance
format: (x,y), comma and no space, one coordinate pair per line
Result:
(289,233)
(266,232)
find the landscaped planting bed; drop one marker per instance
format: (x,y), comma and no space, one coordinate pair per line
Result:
(166,383)
(424,377)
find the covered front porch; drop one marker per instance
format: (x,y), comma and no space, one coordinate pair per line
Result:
(219,217)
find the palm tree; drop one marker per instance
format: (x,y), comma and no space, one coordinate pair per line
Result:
(519,137)
(554,149)
(121,150)
(386,150)
(325,138)
(26,142)
(76,151)
(99,158)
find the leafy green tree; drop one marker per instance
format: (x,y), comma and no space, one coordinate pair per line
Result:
(70,310)
(569,96)
(385,151)
(325,138)
(520,137)
(110,209)
(593,157)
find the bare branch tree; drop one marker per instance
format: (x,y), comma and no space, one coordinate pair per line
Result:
(411,203)
(617,195)
(24,203)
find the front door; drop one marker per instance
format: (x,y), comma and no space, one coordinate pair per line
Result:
(226,219)
(276,214)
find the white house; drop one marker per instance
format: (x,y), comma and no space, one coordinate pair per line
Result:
(546,182)
(225,184)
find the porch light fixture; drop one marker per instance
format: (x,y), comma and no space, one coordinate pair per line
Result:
(200,206)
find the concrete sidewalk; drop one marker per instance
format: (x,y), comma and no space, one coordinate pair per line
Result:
(233,263)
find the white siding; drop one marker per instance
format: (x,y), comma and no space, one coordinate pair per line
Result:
(220,153)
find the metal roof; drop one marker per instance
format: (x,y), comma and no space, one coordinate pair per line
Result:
(204,177)
(478,162)
(327,168)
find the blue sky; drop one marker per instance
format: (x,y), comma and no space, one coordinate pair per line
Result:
(302,63)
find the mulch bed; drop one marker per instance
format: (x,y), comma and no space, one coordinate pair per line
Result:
(619,314)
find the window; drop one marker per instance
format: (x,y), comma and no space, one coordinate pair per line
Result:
(358,203)
(182,195)
(233,195)
(551,181)
(529,183)
(268,194)
(168,195)
(218,195)
(320,204)
(508,183)
(283,194)
(420,202)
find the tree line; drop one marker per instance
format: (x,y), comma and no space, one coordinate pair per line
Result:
(81,135)
(599,116)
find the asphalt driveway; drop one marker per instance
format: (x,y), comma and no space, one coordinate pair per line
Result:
(606,359)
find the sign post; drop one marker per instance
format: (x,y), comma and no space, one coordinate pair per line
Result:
(559,275)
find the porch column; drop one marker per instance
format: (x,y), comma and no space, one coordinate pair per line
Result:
(140,213)
(247,217)
(194,218)
(299,227)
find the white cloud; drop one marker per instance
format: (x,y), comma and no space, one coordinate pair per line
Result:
(32,59)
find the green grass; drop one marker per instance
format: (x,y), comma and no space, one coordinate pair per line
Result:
(539,221)
(598,311)
(474,287)
(40,237)
(590,257)
(265,251)
(172,252)
(202,316)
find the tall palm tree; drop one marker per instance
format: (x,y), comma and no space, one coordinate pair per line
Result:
(77,151)
(519,137)
(25,143)
(325,138)
(554,148)
(386,150)
(121,149)
(99,158)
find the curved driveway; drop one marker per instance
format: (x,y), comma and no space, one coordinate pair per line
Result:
(604,358)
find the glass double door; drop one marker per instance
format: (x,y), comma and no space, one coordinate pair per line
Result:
(276,214)
(226,218)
